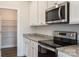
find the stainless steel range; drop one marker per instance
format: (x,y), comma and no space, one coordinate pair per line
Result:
(47,48)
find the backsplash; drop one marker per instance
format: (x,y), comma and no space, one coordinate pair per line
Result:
(48,30)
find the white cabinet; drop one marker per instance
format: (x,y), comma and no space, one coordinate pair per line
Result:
(42,6)
(74,12)
(61,54)
(34,49)
(31,48)
(33,13)
(27,48)
(37,13)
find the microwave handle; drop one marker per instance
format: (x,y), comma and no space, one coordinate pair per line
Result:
(59,13)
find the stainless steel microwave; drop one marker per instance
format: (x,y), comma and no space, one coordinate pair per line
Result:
(58,14)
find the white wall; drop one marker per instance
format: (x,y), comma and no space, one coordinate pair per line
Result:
(48,30)
(22,21)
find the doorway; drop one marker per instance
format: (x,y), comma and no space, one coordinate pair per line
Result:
(8,19)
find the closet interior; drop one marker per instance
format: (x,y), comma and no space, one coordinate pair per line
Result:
(8,20)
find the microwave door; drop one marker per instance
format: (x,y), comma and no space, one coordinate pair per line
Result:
(52,16)
(58,15)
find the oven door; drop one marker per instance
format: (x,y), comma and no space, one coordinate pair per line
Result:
(44,51)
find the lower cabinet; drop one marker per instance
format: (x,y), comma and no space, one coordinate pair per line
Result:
(61,54)
(34,49)
(31,48)
(27,48)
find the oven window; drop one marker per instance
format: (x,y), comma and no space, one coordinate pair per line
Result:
(42,52)
(52,15)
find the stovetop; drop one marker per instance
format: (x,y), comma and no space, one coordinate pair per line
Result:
(49,43)
(60,39)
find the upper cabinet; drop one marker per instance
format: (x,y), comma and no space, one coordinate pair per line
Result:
(42,6)
(33,16)
(37,13)
(74,12)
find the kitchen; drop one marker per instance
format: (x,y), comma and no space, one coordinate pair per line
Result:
(35,27)
(40,26)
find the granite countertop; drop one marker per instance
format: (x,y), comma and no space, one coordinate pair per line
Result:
(37,37)
(72,50)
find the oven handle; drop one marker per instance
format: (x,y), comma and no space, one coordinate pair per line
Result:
(59,13)
(49,48)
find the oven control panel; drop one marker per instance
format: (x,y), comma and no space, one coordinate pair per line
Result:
(65,34)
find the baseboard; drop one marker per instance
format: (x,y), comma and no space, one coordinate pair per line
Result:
(8,46)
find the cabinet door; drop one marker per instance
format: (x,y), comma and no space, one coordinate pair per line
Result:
(52,3)
(34,49)
(42,6)
(27,48)
(33,13)
(74,12)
